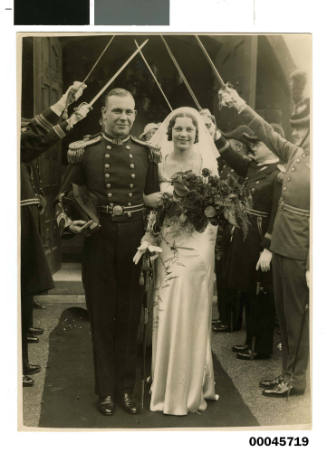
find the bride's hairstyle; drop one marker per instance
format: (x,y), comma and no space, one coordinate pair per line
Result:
(182,115)
(204,143)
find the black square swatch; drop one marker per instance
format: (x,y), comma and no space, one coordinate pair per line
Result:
(131,12)
(51,12)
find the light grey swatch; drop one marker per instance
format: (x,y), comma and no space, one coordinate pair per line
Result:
(131,12)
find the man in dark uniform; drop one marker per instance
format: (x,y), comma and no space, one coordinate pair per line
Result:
(290,246)
(247,263)
(116,171)
(37,136)
(230,302)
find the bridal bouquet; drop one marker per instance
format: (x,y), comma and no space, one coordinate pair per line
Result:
(199,200)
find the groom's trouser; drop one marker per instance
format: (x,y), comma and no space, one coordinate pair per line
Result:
(114,298)
(291,297)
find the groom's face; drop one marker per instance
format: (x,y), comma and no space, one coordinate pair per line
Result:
(118,115)
(183,133)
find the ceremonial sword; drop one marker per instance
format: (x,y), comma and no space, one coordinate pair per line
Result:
(215,70)
(99,58)
(113,78)
(181,73)
(69,99)
(154,77)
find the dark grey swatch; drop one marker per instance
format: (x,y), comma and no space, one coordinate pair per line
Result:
(51,12)
(131,12)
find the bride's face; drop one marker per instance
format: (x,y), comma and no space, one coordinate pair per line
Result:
(183,133)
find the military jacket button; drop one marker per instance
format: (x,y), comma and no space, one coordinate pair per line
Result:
(253,190)
(107,175)
(109,195)
(293,169)
(130,194)
(284,188)
(257,182)
(128,146)
(132,165)
(298,160)
(107,166)
(108,146)
(130,156)
(133,175)
(108,185)
(131,185)
(129,203)
(107,155)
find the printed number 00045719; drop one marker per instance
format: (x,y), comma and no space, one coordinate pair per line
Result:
(279,441)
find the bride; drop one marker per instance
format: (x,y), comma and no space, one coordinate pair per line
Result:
(182,368)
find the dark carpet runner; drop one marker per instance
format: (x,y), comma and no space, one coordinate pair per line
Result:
(69,402)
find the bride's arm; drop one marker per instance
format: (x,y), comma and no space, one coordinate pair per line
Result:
(153,200)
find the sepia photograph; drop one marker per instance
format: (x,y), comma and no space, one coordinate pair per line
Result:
(164,231)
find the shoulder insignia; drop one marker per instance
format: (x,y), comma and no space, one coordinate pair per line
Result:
(90,136)
(154,152)
(76,149)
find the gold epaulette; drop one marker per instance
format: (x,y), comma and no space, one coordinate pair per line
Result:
(77,148)
(154,153)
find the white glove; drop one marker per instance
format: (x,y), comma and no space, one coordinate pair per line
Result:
(80,113)
(146,246)
(73,93)
(264,260)
(217,135)
(228,97)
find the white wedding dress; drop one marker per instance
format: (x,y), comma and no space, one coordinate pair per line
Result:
(182,368)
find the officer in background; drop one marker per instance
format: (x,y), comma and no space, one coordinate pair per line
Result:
(247,263)
(290,246)
(37,136)
(112,175)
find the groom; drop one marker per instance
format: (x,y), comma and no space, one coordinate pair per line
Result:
(118,172)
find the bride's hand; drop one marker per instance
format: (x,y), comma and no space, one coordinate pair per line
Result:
(153,200)
(146,246)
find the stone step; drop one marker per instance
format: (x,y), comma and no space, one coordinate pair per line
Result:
(67,288)
(70,299)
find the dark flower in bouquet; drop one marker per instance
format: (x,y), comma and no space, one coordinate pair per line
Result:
(198,200)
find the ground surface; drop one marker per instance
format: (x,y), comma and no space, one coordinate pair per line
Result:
(245,375)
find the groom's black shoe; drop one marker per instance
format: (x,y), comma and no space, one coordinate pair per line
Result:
(106,405)
(128,403)
(250,355)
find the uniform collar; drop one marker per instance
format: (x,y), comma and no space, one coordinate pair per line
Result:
(115,140)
